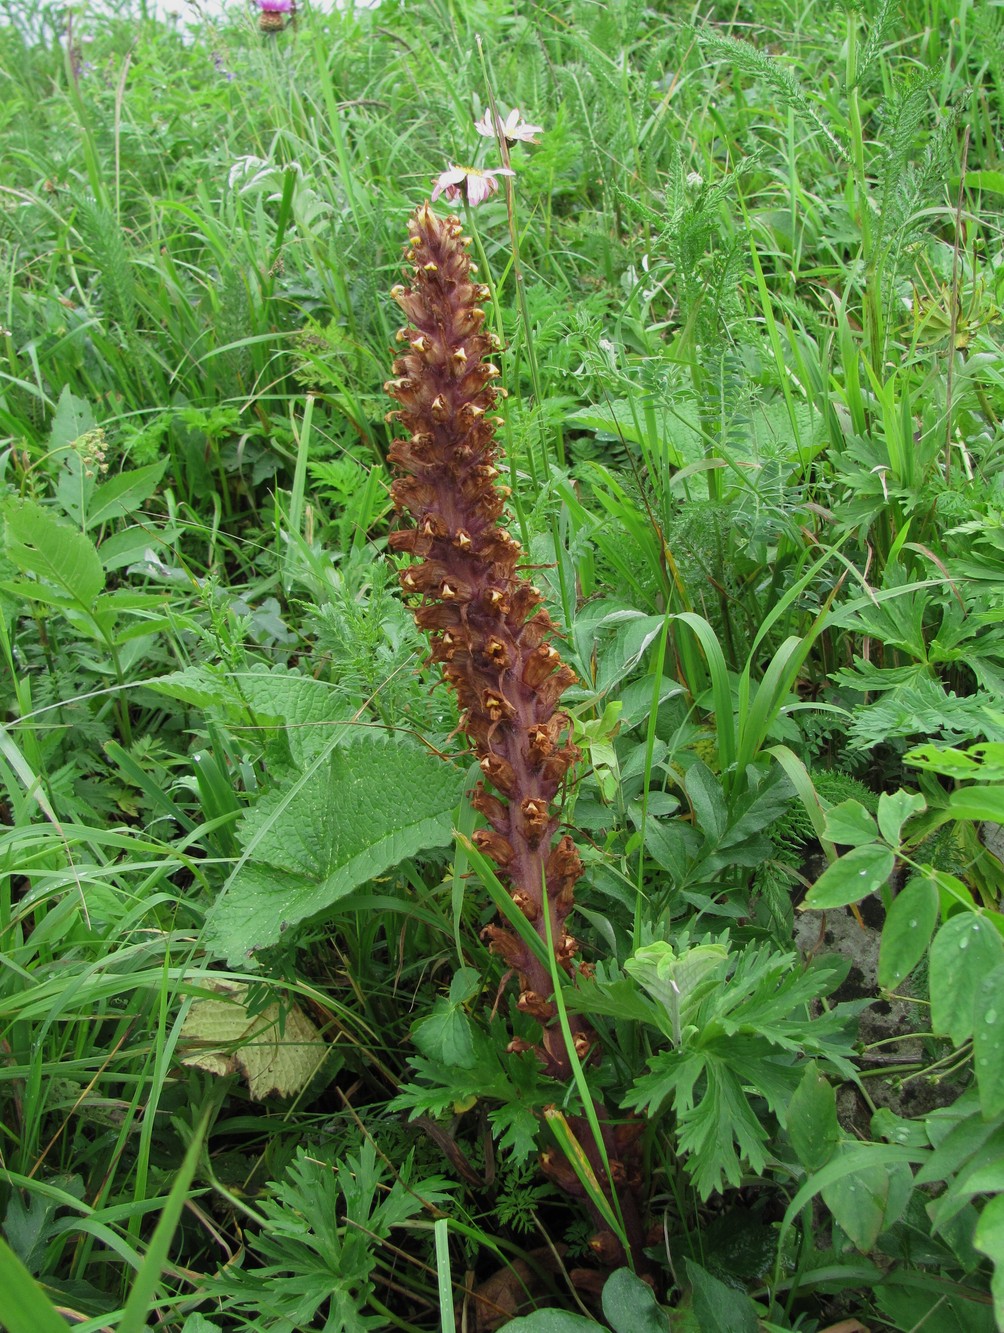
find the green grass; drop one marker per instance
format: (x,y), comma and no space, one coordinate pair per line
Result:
(750,299)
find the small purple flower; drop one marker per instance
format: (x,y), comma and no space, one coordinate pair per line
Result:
(276,6)
(481,182)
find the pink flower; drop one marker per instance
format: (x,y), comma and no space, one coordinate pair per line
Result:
(513,128)
(481,182)
(276,6)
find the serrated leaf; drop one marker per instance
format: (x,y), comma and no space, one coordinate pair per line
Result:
(965,950)
(907,932)
(445,1035)
(73,417)
(308,711)
(849,824)
(42,545)
(27,1223)
(674,980)
(277,1052)
(988,1043)
(376,801)
(200,686)
(516,1128)
(854,876)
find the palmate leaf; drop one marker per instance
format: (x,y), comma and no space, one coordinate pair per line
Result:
(747,1042)
(323,1224)
(375,801)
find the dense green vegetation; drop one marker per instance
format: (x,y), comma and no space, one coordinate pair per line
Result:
(254,1050)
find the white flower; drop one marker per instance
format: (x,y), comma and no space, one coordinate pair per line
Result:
(513,128)
(481,182)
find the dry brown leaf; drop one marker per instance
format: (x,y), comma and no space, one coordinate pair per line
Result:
(275,1052)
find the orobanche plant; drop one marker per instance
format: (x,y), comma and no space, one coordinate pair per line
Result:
(492,639)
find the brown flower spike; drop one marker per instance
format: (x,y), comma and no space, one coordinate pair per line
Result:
(492,638)
(485,621)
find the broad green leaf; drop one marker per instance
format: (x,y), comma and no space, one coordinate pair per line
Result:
(988,1043)
(276,1051)
(812,1120)
(850,1161)
(200,686)
(308,711)
(989,1240)
(978,803)
(717,1306)
(965,950)
(445,1035)
(886,1124)
(870,1200)
(552,1321)
(907,932)
(894,809)
(629,1305)
(949,762)
(42,545)
(705,794)
(985,180)
(959,1134)
(931,1311)
(123,493)
(374,802)
(856,874)
(849,824)
(675,433)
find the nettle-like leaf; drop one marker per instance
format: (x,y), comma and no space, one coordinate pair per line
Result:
(276,1051)
(308,712)
(447,1034)
(373,802)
